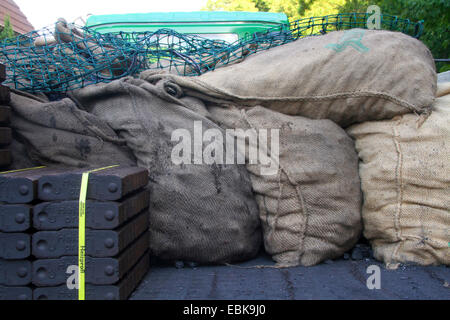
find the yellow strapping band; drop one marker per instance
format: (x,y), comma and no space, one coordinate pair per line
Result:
(82,232)
(19,170)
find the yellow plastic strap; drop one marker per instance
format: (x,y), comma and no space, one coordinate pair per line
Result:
(82,237)
(19,170)
(82,232)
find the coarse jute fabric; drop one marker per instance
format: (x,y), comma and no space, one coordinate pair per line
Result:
(405,174)
(310,207)
(201,212)
(346,76)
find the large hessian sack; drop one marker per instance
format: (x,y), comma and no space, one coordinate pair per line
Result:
(310,206)
(59,132)
(202,212)
(346,76)
(405,173)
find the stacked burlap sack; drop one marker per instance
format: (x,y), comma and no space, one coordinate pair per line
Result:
(405,174)
(202,213)
(309,90)
(310,206)
(345,76)
(310,209)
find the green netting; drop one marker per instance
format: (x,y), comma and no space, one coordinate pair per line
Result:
(66,57)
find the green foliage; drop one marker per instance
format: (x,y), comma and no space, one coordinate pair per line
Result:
(304,5)
(289,7)
(231,5)
(322,8)
(435,13)
(7,31)
(294,9)
(262,5)
(357,5)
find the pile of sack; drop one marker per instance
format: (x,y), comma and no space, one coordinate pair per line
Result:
(316,93)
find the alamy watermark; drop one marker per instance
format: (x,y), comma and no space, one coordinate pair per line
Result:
(374,20)
(374,280)
(230,146)
(73,278)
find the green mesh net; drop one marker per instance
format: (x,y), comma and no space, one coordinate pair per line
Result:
(66,57)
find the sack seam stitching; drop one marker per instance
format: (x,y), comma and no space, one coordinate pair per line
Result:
(341,95)
(399,182)
(300,201)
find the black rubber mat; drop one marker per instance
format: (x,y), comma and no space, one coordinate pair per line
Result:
(102,215)
(15,217)
(14,246)
(99,243)
(120,291)
(99,271)
(15,272)
(16,293)
(20,186)
(64,184)
(107,185)
(335,279)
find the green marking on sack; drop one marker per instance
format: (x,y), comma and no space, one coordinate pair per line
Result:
(82,232)
(351,38)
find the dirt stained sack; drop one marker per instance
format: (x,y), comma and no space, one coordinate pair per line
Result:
(61,133)
(347,76)
(405,173)
(310,206)
(201,212)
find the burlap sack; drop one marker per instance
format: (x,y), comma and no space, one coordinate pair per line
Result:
(59,132)
(345,76)
(310,207)
(198,212)
(405,173)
